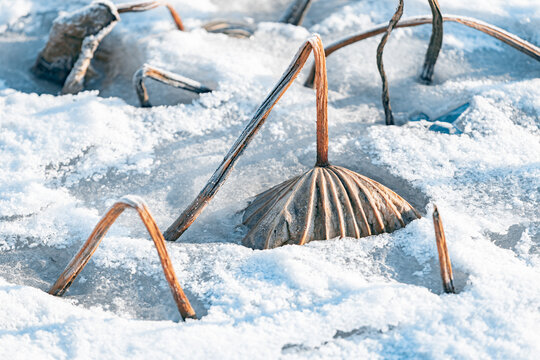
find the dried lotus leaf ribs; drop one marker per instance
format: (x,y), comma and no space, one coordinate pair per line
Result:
(325,202)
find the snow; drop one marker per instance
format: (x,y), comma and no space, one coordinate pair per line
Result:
(65,159)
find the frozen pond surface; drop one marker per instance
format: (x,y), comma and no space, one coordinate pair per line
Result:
(65,159)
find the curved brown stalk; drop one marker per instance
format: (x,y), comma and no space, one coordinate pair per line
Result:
(444,258)
(164,77)
(296,12)
(149,5)
(90,246)
(380,49)
(510,39)
(435,42)
(222,172)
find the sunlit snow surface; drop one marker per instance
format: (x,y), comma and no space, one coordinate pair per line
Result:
(65,159)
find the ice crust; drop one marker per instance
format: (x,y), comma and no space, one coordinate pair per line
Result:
(65,159)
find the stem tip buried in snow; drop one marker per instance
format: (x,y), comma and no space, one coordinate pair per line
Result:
(444,258)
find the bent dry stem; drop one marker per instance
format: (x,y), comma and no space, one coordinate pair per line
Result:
(80,260)
(164,77)
(444,258)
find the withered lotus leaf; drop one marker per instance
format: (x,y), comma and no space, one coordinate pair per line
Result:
(324,203)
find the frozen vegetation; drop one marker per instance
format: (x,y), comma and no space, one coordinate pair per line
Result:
(65,159)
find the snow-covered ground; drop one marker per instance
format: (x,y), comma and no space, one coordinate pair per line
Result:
(65,159)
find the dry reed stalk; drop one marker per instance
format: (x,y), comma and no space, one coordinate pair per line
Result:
(80,260)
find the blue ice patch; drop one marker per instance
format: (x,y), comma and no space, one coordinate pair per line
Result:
(444,123)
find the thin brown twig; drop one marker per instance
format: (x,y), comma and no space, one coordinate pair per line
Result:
(184,221)
(502,35)
(444,258)
(148,5)
(80,260)
(380,49)
(435,43)
(164,77)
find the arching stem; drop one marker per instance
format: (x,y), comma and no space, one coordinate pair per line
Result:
(435,42)
(222,172)
(149,5)
(502,35)
(165,77)
(80,260)
(380,49)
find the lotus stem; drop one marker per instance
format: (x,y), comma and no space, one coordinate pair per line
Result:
(222,172)
(444,257)
(380,49)
(435,42)
(491,30)
(149,5)
(90,246)
(296,12)
(164,77)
